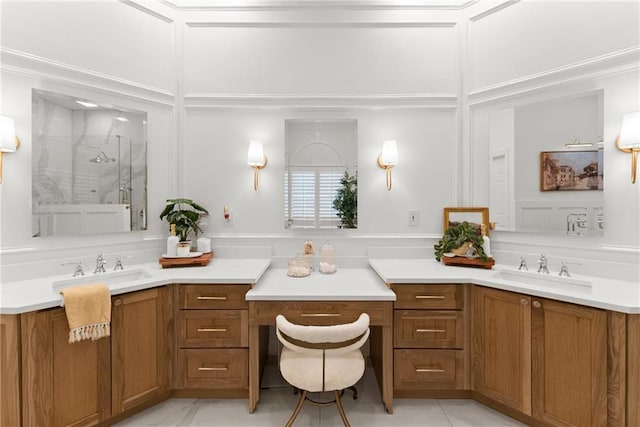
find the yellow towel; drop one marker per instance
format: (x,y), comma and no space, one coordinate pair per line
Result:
(88,309)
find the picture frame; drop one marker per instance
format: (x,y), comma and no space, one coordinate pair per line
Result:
(476,216)
(571,170)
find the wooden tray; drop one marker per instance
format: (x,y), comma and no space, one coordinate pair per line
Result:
(461,261)
(199,261)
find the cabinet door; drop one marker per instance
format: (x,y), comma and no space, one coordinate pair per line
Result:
(502,347)
(63,384)
(140,348)
(9,368)
(569,364)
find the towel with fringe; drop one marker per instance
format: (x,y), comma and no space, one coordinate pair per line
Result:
(88,309)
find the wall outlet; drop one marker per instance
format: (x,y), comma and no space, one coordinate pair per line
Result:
(414,217)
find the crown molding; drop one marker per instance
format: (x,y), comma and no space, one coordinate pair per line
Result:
(493,10)
(618,62)
(208,101)
(26,64)
(284,5)
(137,5)
(326,24)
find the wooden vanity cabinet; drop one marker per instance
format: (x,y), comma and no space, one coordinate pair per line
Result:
(541,357)
(62,384)
(212,330)
(430,343)
(569,363)
(501,342)
(9,370)
(141,348)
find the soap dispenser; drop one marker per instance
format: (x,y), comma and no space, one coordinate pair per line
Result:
(172,242)
(486,243)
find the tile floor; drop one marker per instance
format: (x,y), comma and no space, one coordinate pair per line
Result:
(277,402)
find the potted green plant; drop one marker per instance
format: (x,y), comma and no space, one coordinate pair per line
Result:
(185,215)
(458,237)
(346,201)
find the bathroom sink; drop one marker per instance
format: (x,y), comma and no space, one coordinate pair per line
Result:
(108,279)
(539,279)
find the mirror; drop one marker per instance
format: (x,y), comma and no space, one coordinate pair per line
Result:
(318,154)
(518,136)
(89,167)
(476,217)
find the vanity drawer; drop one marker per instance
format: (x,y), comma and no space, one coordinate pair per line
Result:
(321,313)
(443,297)
(214,368)
(212,296)
(213,328)
(428,370)
(428,329)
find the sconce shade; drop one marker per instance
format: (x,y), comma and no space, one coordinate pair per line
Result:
(389,156)
(8,142)
(630,131)
(629,139)
(255,157)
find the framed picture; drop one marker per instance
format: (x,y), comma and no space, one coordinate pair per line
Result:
(476,216)
(571,170)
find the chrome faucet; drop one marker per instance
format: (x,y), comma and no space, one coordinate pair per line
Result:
(78,270)
(100,262)
(118,265)
(523,264)
(542,264)
(576,220)
(564,270)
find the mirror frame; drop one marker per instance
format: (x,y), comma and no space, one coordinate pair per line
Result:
(484,211)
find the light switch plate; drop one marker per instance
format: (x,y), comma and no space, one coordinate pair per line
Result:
(414,217)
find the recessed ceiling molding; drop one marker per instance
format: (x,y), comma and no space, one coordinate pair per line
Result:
(276,5)
(144,9)
(254,24)
(438,101)
(618,62)
(493,10)
(23,63)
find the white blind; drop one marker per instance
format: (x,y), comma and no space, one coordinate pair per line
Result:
(309,201)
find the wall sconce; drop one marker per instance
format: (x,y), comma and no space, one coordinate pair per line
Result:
(388,158)
(256,159)
(9,142)
(629,139)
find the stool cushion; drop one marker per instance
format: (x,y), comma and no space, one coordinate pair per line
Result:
(304,371)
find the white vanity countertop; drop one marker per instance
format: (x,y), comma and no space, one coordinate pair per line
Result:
(347,284)
(35,294)
(604,293)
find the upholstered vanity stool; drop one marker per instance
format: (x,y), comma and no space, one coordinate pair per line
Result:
(322,358)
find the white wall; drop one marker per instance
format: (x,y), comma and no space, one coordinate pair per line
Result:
(102,36)
(104,51)
(532,52)
(531,37)
(351,59)
(217,174)
(428,78)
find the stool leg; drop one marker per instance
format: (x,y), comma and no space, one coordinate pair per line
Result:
(296,411)
(341,409)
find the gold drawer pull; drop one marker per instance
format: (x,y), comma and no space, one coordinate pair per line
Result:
(212,298)
(431,330)
(203,368)
(212,329)
(429,370)
(429,296)
(320,315)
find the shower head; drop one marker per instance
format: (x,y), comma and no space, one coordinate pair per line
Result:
(102,158)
